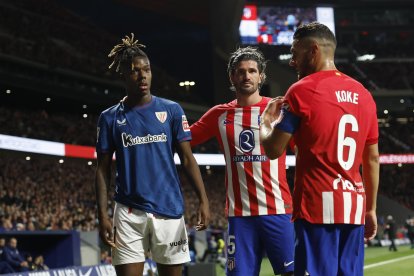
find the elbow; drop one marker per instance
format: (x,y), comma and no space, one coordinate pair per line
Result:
(274,155)
(272,152)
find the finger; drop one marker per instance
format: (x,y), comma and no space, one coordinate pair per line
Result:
(200,227)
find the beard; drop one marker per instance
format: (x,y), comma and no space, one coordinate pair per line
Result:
(241,89)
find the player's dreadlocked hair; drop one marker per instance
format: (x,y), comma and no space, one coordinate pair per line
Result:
(123,53)
(247,53)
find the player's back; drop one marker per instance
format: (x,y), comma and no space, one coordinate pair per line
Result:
(338,118)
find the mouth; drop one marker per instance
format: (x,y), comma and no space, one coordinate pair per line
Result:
(143,86)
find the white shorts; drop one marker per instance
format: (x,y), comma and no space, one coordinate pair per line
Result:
(137,232)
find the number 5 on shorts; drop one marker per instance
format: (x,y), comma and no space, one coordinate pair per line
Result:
(231,245)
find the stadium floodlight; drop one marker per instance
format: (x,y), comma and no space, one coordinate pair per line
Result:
(365,57)
(285,57)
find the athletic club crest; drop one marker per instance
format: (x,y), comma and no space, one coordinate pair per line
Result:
(161,116)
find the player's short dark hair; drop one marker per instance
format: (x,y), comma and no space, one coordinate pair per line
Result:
(315,29)
(123,53)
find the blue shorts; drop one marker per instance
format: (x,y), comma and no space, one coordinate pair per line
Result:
(329,249)
(249,238)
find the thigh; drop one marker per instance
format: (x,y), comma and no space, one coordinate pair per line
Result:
(351,250)
(169,270)
(316,248)
(169,240)
(277,236)
(129,269)
(130,233)
(244,251)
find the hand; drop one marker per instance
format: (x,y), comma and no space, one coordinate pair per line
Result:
(203,216)
(370,225)
(272,111)
(24,264)
(105,232)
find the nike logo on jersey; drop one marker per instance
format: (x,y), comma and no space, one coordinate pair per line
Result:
(285,264)
(227,122)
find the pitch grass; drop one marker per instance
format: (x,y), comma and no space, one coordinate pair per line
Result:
(373,255)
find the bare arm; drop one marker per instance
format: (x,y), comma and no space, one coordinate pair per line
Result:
(370,172)
(274,141)
(192,171)
(102,180)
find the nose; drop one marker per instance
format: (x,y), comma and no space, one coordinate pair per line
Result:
(246,76)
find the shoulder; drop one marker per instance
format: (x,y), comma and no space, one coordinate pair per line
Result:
(164,101)
(168,104)
(298,87)
(219,109)
(111,110)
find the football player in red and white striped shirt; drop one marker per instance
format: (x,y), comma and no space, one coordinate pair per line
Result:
(333,121)
(258,201)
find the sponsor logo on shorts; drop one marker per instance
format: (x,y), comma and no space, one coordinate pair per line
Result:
(231,264)
(177,243)
(286,264)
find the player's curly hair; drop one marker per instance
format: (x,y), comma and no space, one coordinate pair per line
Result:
(247,53)
(123,53)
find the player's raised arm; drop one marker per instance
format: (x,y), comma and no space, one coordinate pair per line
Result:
(273,139)
(192,171)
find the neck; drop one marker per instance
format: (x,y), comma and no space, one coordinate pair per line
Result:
(132,100)
(250,99)
(326,65)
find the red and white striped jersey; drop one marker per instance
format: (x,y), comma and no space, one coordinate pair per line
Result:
(337,120)
(255,184)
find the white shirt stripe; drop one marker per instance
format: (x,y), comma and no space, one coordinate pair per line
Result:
(274,176)
(328,207)
(230,191)
(358,212)
(257,167)
(347,206)
(244,193)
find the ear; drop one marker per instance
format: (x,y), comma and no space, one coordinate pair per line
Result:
(231,78)
(262,78)
(315,48)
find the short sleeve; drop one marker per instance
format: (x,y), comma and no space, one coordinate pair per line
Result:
(180,125)
(104,141)
(204,128)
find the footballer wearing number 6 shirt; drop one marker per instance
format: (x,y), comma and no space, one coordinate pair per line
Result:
(333,121)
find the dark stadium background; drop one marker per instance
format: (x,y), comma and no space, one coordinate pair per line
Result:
(54,83)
